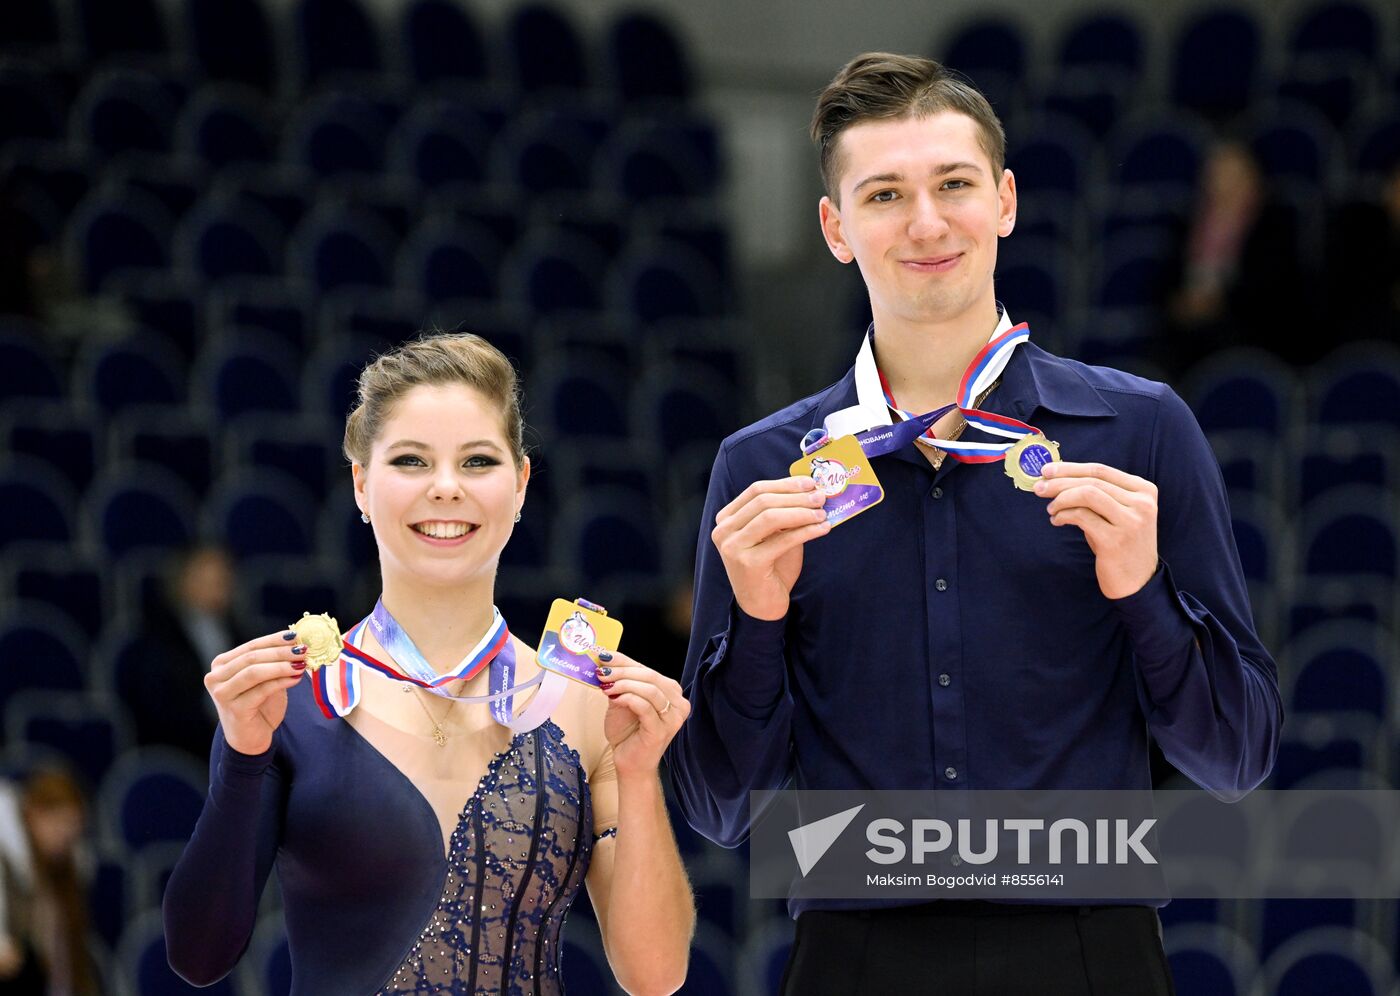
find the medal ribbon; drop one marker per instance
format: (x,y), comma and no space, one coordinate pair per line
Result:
(980,374)
(340,695)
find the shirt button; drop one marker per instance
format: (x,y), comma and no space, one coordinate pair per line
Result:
(938,492)
(941,585)
(944,680)
(950,773)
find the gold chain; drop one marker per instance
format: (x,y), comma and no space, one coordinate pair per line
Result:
(439,734)
(940,455)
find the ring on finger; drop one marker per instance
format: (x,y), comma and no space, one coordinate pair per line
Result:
(667,709)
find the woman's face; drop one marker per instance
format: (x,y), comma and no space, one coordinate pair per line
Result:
(441,489)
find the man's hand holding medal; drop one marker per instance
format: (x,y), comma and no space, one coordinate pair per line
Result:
(1117,513)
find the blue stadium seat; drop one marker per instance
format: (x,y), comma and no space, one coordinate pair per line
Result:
(545,50)
(1095,97)
(1031,272)
(30,104)
(1282,919)
(341,533)
(249,374)
(991,51)
(179,441)
(1328,960)
(1215,62)
(66,438)
(261,514)
(1133,272)
(329,383)
(61,577)
(1335,456)
(152,795)
(1351,532)
(137,508)
(275,590)
(274,309)
(232,40)
(368,321)
(712,962)
(1293,142)
(1359,386)
(1339,667)
(143,966)
(132,28)
(1332,84)
(36,505)
(307,448)
(125,110)
(442,44)
(606,537)
(223,125)
(50,173)
(656,282)
(547,152)
(220,239)
(1315,743)
(338,135)
(1337,27)
(1244,389)
(26,368)
(443,145)
(1102,40)
(676,407)
(1210,958)
(41,651)
(335,40)
(551,272)
(109,895)
(661,162)
(1253,464)
(444,261)
(88,730)
(1158,152)
(646,60)
(113,232)
(130,372)
(337,248)
(166,305)
(580,400)
(1262,535)
(1375,141)
(1053,154)
(615,466)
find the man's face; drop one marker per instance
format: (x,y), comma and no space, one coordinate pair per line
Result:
(920,214)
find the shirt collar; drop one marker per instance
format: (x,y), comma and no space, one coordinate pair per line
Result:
(1033,379)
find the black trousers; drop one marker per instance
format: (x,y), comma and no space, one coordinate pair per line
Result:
(967,948)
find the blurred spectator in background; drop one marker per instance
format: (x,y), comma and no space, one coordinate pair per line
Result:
(1363,266)
(1237,278)
(185,626)
(43,910)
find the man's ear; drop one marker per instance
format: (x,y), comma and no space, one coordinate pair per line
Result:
(830,216)
(1006,197)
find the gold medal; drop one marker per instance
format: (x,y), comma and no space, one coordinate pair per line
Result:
(321,634)
(1025,460)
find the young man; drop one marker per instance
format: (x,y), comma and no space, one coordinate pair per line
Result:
(967,633)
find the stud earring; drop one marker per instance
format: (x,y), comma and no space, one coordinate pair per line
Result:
(364,517)
(517,516)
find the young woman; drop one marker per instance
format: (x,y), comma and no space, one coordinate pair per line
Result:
(421,844)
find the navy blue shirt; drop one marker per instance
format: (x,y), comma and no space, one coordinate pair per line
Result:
(951,638)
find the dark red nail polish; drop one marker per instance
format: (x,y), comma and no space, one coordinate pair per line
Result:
(299,665)
(605,685)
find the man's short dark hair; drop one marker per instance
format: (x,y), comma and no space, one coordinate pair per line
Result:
(880,86)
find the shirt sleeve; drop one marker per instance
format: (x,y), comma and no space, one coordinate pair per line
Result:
(738,736)
(211,902)
(1207,684)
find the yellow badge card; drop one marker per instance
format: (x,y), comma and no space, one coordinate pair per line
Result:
(844,475)
(573,635)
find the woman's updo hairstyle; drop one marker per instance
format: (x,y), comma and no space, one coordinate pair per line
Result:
(440,358)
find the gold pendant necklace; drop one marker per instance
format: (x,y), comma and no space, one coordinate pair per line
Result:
(439,734)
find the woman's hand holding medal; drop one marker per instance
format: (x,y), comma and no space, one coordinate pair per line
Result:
(249,687)
(1117,513)
(645,709)
(760,535)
